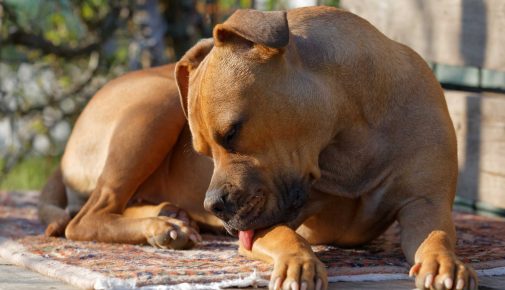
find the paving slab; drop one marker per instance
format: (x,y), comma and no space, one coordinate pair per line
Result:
(16,278)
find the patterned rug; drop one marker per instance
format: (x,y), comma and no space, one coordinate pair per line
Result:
(214,263)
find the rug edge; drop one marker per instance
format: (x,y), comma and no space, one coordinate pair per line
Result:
(17,254)
(79,277)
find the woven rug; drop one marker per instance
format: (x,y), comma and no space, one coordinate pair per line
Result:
(214,263)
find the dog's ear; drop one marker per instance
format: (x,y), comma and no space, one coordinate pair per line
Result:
(189,62)
(269,29)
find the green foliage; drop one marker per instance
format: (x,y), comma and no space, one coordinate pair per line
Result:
(52,19)
(93,9)
(334,3)
(121,55)
(38,126)
(12,53)
(30,174)
(68,23)
(25,11)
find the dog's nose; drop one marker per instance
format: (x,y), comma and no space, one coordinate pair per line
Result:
(217,202)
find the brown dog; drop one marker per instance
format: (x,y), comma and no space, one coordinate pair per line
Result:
(321,130)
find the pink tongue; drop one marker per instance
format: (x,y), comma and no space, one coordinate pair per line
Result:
(246,238)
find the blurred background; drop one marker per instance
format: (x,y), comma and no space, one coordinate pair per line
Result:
(55,54)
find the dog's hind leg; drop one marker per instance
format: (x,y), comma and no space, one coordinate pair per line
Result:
(142,137)
(52,204)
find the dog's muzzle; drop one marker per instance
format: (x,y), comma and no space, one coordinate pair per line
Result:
(256,209)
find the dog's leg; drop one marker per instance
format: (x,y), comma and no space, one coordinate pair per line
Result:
(295,264)
(428,240)
(102,218)
(140,143)
(185,230)
(52,203)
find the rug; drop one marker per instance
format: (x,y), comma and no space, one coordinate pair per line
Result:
(214,263)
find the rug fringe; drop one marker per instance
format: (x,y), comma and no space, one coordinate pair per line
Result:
(368,277)
(253,280)
(491,272)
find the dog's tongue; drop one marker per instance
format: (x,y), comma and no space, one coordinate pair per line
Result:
(246,238)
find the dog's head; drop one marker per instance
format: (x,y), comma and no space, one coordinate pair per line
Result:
(255,111)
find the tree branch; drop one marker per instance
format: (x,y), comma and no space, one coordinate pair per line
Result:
(20,37)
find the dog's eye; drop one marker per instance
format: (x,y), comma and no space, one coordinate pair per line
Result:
(228,139)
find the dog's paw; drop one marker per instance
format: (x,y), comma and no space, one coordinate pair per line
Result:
(298,271)
(170,233)
(443,271)
(56,228)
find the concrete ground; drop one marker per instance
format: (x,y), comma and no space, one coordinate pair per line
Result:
(16,278)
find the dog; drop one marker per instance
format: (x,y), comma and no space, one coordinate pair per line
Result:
(287,129)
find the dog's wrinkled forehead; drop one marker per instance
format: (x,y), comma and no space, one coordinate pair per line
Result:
(220,84)
(224,78)
(247,38)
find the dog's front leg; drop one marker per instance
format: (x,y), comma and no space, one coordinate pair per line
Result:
(295,264)
(428,240)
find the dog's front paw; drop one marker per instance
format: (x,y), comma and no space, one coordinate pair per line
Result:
(443,271)
(298,271)
(165,232)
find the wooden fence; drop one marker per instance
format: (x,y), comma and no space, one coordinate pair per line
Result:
(461,33)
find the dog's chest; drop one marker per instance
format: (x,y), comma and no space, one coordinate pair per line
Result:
(352,169)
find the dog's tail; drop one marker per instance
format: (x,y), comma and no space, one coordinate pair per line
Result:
(52,203)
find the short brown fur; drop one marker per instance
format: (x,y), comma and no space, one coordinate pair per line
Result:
(342,132)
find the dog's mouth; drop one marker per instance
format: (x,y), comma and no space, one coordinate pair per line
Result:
(247,221)
(245,237)
(255,217)
(249,217)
